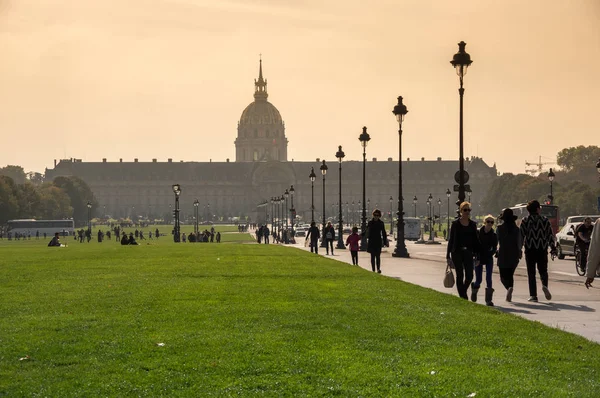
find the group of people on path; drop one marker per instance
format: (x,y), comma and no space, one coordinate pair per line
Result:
(375,234)
(470,249)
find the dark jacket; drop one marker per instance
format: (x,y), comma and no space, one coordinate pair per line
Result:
(471,238)
(489,244)
(329,229)
(510,245)
(313,233)
(376,236)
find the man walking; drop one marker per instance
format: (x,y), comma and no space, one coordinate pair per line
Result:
(537,235)
(314,235)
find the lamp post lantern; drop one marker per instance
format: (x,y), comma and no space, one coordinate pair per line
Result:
(551,176)
(312,177)
(448,194)
(400,251)
(364,139)
(461,62)
(323,169)
(176,230)
(89,207)
(340,243)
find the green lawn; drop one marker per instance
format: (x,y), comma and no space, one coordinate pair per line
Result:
(165,319)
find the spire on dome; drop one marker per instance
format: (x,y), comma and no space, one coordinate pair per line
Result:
(260,85)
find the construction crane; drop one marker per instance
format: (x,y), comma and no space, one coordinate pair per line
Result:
(539,166)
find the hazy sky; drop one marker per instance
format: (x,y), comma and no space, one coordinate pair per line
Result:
(162,79)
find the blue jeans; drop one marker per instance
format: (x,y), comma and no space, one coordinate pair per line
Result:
(489,269)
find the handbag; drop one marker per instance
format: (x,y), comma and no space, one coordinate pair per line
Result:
(449,278)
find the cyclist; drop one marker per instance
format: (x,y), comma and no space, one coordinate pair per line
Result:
(583,233)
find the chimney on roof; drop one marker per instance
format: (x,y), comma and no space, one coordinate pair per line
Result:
(55,163)
(318,160)
(121,160)
(103,160)
(227,160)
(422,159)
(390,159)
(439,159)
(135,160)
(408,159)
(374,159)
(153,160)
(170,160)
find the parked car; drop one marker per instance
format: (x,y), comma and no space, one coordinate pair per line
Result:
(579,219)
(565,240)
(300,232)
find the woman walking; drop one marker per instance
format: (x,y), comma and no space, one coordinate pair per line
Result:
(509,251)
(489,245)
(463,249)
(376,239)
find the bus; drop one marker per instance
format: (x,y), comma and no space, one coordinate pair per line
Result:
(548,211)
(31,226)
(412,229)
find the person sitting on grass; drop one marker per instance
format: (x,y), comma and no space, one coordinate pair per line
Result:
(132,240)
(55,242)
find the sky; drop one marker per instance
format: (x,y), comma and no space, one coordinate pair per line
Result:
(93,79)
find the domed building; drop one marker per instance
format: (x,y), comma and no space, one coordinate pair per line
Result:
(261,131)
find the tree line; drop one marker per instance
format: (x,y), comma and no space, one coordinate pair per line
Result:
(28,196)
(575,186)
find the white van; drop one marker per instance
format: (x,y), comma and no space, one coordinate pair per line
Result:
(412,228)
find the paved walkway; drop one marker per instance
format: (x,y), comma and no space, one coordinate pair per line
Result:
(573,308)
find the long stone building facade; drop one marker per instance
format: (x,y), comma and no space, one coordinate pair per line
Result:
(261,171)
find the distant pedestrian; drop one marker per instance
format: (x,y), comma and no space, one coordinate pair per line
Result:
(313,235)
(463,249)
(537,236)
(329,236)
(376,239)
(183,237)
(156,233)
(353,241)
(265,233)
(510,250)
(218,237)
(489,245)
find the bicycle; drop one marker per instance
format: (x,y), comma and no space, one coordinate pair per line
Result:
(579,256)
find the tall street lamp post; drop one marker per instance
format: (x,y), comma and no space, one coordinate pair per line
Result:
(448,194)
(283,201)
(439,214)
(400,111)
(323,169)
(461,62)
(364,139)
(430,203)
(286,239)
(176,230)
(196,226)
(340,243)
(313,177)
(415,200)
(352,221)
(272,210)
(89,207)
(292,210)
(551,176)
(391,215)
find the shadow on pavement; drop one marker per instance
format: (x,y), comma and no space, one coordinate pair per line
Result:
(555,307)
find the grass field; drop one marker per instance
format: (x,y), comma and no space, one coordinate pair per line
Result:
(193,320)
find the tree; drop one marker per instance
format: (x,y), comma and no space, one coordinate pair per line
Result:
(55,204)
(28,198)
(35,178)
(15,172)
(579,157)
(9,205)
(80,194)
